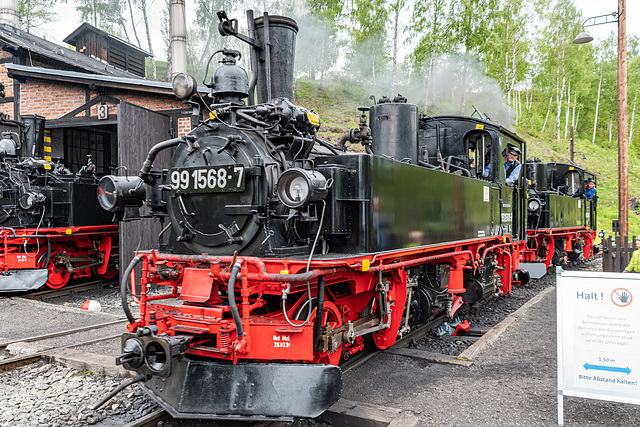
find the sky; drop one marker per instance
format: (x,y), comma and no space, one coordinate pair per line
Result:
(69,19)
(603,7)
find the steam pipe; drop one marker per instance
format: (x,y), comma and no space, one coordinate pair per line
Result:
(343,139)
(328,145)
(123,288)
(252,120)
(251,24)
(267,50)
(232,299)
(427,165)
(146,167)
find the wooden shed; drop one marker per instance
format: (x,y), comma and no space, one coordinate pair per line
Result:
(95,43)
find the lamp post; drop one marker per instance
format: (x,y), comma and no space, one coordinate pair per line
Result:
(623,159)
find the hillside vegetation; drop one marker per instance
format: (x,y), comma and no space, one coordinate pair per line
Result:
(337,106)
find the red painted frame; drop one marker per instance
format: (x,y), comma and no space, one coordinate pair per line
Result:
(197,280)
(23,248)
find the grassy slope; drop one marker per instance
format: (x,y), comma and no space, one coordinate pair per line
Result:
(337,106)
(601,160)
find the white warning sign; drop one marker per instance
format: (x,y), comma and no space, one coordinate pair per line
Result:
(599,336)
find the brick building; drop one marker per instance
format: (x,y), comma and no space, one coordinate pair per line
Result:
(94,103)
(82,95)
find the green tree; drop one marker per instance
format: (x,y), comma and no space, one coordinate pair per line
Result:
(470,23)
(104,14)
(395,9)
(317,46)
(33,13)
(559,58)
(506,52)
(368,42)
(428,26)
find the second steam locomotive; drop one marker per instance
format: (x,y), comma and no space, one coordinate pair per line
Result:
(52,228)
(287,254)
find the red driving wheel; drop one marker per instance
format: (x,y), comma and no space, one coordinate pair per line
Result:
(58,274)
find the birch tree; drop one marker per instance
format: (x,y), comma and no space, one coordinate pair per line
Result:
(317,48)
(595,119)
(395,8)
(557,53)
(104,14)
(368,49)
(34,13)
(470,23)
(428,26)
(506,52)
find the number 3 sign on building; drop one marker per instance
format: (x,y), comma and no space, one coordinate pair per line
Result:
(598,337)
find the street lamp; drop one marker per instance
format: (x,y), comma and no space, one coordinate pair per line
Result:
(623,162)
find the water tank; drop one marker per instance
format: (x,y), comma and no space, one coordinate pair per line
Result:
(394,131)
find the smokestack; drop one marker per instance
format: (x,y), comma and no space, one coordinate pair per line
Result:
(178,37)
(275,73)
(9,12)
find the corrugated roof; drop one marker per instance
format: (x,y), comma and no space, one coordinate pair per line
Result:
(12,38)
(130,83)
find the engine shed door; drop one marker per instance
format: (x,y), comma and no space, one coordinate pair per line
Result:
(139,129)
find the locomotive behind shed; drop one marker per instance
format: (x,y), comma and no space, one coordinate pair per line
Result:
(53,229)
(288,254)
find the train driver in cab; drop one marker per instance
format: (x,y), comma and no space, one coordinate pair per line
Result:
(591,189)
(511,165)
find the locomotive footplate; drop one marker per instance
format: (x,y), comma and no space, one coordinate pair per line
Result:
(210,390)
(23,280)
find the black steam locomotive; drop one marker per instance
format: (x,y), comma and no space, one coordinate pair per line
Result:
(289,254)
(562,215)
(53,229)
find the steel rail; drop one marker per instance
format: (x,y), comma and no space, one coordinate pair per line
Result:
(151,420)
(61,333)
(9,364)
(53,293)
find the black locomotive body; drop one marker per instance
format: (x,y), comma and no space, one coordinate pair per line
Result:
(561,218)
(289,254)
(53,228)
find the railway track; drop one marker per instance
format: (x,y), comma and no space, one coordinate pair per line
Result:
(70,289)
(16,362)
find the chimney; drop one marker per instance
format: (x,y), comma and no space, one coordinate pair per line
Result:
(9,12)
(178,38)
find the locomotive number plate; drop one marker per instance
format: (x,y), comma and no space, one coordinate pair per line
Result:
(207,179)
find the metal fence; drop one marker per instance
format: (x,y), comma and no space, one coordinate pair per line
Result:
(616,254)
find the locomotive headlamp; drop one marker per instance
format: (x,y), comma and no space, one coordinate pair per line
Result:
(297,187)
(184,85)
(117,192)
(30,200)
(533,205)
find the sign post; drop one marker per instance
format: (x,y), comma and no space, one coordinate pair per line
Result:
(598,337)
